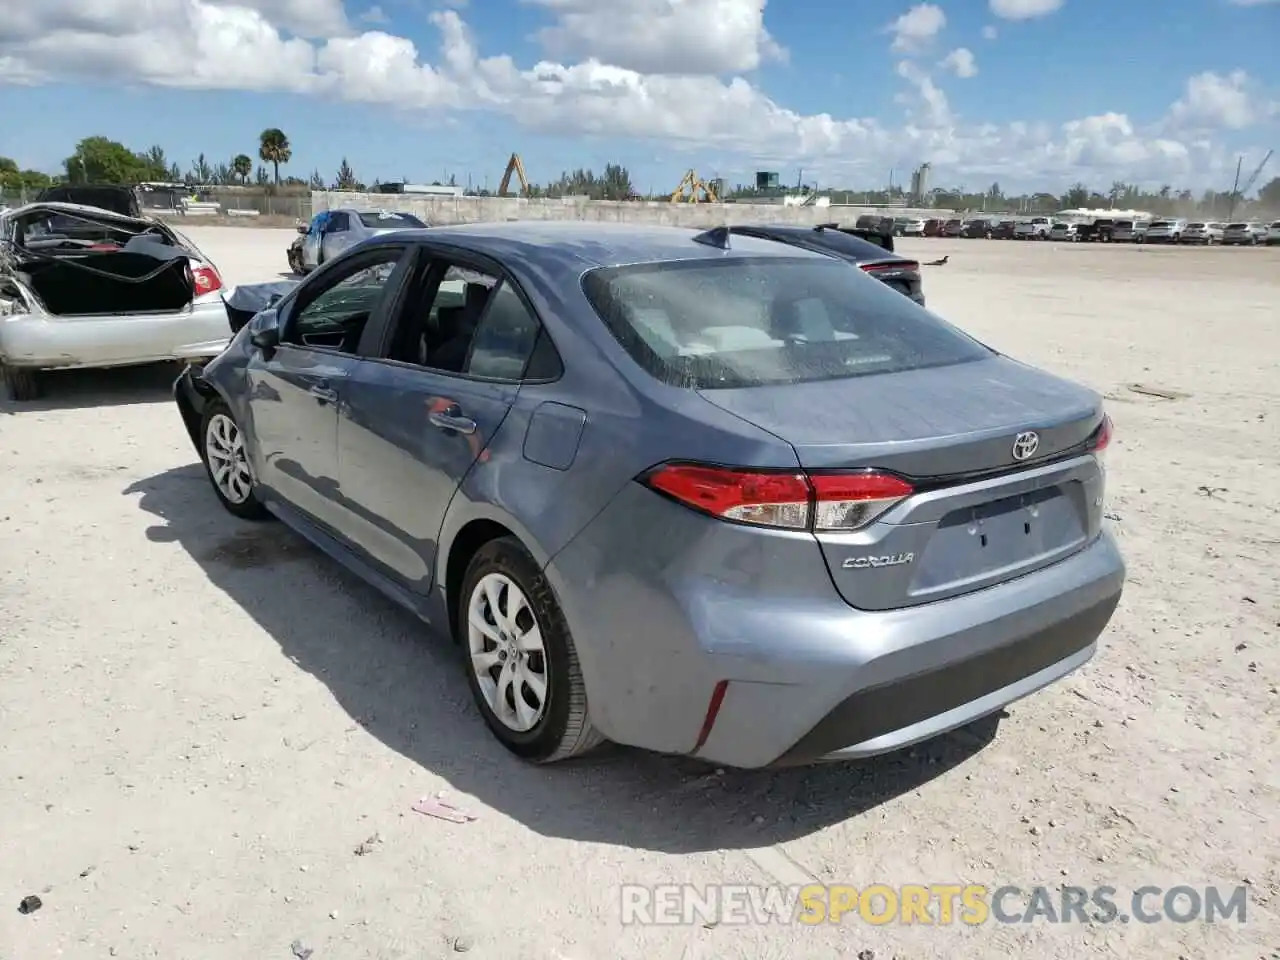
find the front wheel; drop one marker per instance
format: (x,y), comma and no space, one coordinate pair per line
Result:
(226,462)
(522,665)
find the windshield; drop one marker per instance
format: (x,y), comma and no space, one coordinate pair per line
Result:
(390,219)
(746,322)
(1237,226)
(1162,223)
(1124,224)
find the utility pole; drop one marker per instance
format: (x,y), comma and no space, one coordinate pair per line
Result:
(1235,189)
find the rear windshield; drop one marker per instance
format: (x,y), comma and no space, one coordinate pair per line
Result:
(1162,223)
(1195,226)
(745,322)
(1237,226)
(1124,224)
(388,219)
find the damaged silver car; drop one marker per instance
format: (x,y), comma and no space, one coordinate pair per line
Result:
(85,287)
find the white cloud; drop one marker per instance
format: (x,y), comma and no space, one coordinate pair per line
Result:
(662,36)
(1024,9)
(916,29)
(927,102)
(1213,101)
(961,62)
(374,14)
(201,44)
(989,32)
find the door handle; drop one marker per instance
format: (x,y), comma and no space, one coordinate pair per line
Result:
(323,392)
(452,419)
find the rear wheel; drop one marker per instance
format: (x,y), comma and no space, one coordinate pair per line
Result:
(522,666)
(20,383)
(226,462)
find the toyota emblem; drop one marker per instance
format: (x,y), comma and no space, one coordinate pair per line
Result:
(1025,445)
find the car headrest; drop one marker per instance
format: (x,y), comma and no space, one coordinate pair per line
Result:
(475,295)
(449,321)
(784,319)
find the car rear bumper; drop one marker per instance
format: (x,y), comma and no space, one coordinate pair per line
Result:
(734,647)
(35,341)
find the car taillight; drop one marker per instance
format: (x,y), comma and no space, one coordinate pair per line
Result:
(791,500)
(1101,438)
(206,280)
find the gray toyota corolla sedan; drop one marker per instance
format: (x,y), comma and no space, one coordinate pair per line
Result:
(704,494)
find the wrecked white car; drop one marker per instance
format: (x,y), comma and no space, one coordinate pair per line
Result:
(84,287)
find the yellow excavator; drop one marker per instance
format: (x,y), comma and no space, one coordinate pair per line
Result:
(693,189)
(514,165)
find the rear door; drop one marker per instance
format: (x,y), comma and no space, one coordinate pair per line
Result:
(415,420)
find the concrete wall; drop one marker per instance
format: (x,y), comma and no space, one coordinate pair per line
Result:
(437,210)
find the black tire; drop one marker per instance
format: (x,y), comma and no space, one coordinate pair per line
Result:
(295,264)
(564,729)
(20,383)
(251,507)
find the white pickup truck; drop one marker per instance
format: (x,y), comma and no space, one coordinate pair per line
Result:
(1037,228)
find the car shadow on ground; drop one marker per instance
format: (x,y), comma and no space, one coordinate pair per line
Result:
(412,695)
(112,387)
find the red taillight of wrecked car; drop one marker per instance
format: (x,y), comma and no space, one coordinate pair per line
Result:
(205,280)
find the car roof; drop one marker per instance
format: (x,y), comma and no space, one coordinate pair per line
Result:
(579,244)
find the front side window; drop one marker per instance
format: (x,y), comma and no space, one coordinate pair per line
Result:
(753,321)
(336,317)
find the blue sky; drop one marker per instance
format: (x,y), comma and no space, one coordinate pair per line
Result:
(1032,93)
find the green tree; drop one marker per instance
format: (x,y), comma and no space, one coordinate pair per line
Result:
(273,148)
(101,160)
(155,162)
(201,171)
(346,179)
(243,166)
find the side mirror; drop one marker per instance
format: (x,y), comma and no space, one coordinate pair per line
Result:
(266,338)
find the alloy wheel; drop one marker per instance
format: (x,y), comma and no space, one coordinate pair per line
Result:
(228,465)
(506,652)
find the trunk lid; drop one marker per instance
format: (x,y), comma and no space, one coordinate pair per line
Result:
(979,516)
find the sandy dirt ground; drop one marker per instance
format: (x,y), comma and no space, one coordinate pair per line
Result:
(212,736)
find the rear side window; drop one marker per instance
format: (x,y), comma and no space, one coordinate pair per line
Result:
(744,322)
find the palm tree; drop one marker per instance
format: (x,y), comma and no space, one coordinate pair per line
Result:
(273,148)
(243,166)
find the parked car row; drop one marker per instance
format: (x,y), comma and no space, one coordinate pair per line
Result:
(588,451)
(1100,229)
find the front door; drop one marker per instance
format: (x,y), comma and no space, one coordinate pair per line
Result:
(311,242)
(414,423)
(295,390)
(338,236)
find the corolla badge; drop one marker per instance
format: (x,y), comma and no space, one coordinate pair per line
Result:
(889,560)
(1025,445)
